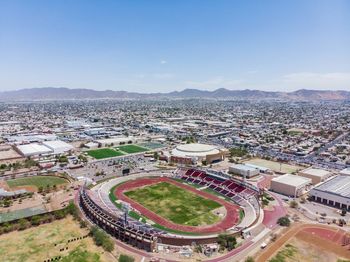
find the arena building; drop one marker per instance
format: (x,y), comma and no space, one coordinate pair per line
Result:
(197,152)
(290,185)
(334,192)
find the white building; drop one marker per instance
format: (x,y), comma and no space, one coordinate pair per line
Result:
(244,170)
(334,192)
(290,185)
(58,146)
(33,149)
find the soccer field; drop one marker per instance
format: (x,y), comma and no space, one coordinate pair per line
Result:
(36,181)
(130,149)
(104,153)
(176,204)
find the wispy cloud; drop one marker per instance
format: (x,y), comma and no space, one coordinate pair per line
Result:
(163,62)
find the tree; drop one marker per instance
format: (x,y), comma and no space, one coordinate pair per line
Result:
(83,223)
(293,204)
(23,224)
(35,220)
(102,239)
(249,259)
(227,242)
(63,159)
(125,258)
(238,152)
(343,212)
(40,189)
(284,221)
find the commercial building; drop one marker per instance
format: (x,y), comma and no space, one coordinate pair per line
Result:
(244,170)
(33,149)
(290,185)
(58,146)
(55,147)
(334,192)
(316,175)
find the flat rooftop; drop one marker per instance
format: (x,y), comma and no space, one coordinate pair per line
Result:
(339,185)
(316,172)
(244,167)
(292,180)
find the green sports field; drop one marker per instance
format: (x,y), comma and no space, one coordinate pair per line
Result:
(176,204)
(36,181)
(104,153)
(130,149)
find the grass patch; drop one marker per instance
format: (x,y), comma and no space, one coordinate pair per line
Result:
(37,181)
(131,149)
(285,254)
(136,216)
(241,214)
(104,153)
(45,241)
(176,204)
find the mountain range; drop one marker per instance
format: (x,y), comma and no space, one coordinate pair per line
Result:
(61,93)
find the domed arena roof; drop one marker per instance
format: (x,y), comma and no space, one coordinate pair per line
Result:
(195,150)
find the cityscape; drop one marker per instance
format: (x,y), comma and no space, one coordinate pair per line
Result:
(156,167)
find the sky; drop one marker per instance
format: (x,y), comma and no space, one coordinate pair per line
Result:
(161,46)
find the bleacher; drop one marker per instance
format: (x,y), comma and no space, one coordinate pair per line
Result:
(224,186)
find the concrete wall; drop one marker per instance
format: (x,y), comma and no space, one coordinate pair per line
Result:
(283,188)
(330,199)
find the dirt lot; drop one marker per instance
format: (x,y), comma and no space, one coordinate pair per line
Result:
(300,244)
(275,166)
(45,241)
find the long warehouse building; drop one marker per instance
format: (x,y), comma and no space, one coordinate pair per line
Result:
(334,192)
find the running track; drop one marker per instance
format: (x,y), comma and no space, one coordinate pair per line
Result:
(230,220)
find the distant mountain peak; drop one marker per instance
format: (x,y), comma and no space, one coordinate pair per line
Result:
(63,93)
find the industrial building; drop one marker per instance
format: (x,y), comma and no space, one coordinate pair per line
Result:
(58,147)
(334,192)
(33,149)
(244,170)
(316,175)
(290,185)
(55,147)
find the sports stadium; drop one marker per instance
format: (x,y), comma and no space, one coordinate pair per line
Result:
(180,207)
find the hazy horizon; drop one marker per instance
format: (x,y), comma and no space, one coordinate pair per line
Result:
(163,46)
